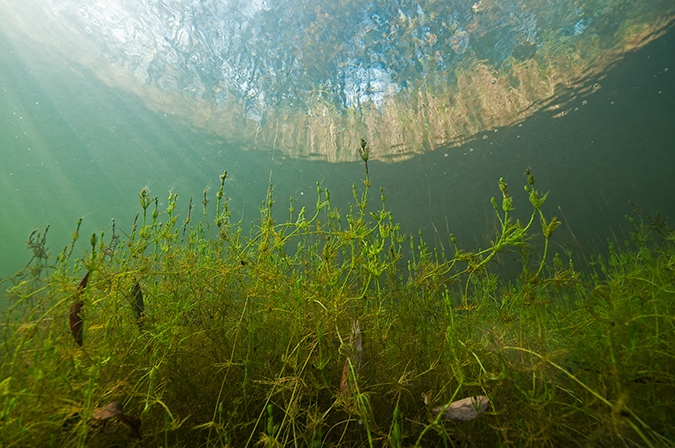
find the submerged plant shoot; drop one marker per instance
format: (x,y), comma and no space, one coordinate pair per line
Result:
(219,309)
(332,328)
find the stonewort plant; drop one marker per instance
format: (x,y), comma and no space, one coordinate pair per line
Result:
(332,328)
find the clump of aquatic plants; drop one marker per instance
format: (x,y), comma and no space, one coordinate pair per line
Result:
(331,328)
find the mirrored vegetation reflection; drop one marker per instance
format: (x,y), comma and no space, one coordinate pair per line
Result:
(332,328)
(309,78)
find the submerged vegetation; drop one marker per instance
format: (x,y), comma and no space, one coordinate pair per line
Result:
(334,329)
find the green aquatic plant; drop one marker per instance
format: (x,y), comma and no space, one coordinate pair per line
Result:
(325,329)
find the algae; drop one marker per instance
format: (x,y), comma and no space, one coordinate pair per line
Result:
(335,329)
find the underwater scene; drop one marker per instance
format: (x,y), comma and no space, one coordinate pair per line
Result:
(379,223)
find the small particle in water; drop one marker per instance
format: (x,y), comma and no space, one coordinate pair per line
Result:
(485,137)
(665,69)
(302,193)
(576,109)
(107,411)
(584,102)
(520,125)
(445,154)
(464,410)
(470,149)
(496,130)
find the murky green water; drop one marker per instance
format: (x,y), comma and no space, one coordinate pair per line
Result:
(324,325)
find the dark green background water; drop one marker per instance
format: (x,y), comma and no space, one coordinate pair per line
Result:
(70,147)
